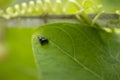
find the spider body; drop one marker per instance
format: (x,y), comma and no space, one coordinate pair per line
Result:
(42,40)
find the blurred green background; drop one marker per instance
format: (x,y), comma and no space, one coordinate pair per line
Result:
(16,56)
(19,62)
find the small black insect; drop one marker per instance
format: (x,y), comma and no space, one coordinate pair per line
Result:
(42,40)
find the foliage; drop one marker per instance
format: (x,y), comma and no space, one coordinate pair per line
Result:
(74,51)
(50,8)
(77,52)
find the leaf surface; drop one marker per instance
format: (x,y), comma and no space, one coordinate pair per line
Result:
(77,52)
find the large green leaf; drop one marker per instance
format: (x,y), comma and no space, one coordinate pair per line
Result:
(77,52)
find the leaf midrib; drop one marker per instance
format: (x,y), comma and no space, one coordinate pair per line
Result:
(74,58)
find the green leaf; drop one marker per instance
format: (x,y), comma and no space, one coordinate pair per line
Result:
(77,52)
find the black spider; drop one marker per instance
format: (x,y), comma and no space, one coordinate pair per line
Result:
(42,40)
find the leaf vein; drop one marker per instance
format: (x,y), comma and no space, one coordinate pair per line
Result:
(74,58)
(77,61)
